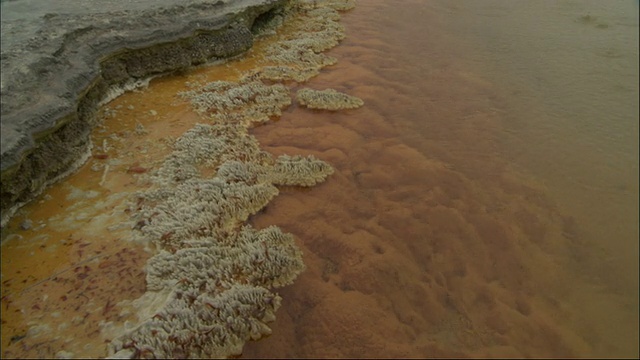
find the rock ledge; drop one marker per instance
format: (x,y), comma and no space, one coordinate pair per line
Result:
(60,61)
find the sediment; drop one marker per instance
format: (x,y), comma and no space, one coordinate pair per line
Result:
(60,63)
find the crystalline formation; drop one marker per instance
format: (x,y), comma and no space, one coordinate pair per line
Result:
(211,279)
(327,99)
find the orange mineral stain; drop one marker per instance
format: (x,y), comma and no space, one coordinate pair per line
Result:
(67,257)
(427,241)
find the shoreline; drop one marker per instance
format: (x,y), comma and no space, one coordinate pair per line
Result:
(46,139)
(192,202)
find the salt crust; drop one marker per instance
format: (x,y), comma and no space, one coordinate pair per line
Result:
(208,286)
(328,99)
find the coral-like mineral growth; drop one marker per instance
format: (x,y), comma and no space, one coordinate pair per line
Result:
(328,99)
(219,298)
(209,285)
(298,57)
(287,170)
(299,171)
(251,101)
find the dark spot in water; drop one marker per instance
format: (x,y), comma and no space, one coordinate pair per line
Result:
(16,338)
(330,267)
(345,286)
(569,227)
(587,19)
(377,248)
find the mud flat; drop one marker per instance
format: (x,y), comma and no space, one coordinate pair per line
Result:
(60,61)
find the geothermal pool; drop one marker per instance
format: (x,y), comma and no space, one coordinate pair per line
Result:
(484,200)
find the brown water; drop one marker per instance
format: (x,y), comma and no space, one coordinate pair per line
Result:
(485,199)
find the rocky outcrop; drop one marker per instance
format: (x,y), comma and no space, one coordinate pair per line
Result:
(61,60)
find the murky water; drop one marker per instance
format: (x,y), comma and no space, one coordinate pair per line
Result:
(570,74)
(485,199)
(486,202)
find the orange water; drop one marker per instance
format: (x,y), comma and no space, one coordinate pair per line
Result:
(485,201)
(469,214)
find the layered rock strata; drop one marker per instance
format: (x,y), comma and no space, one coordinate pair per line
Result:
(61,60)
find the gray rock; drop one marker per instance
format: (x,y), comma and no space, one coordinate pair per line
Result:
(26,225)
(61,59)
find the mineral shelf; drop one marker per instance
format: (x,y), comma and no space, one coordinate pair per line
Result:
(61,60)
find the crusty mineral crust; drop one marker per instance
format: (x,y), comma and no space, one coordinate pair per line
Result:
(60,60)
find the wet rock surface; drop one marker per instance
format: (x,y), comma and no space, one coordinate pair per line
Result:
(61,60)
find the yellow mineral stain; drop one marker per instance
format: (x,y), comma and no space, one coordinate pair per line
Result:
(67,257)
(426,241)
